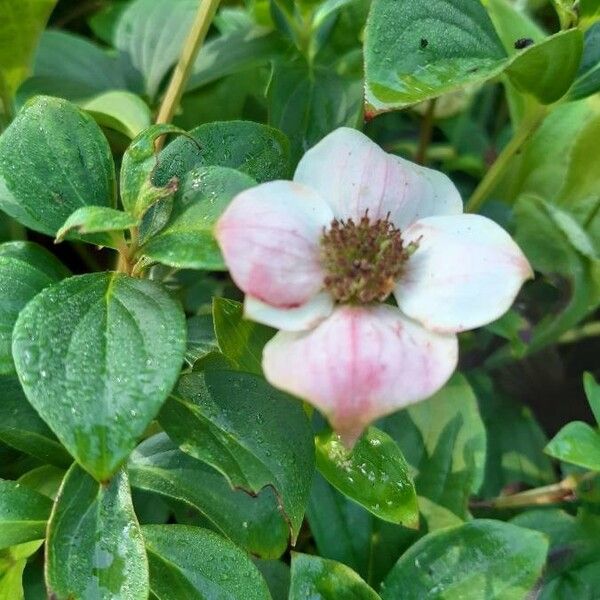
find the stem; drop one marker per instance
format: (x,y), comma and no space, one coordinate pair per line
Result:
(580,333)
(426,132)
(486,186)
(204,17)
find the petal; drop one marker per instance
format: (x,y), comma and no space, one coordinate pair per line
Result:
(360,364)
(305,316)
(354,174)
(466,272)
(269,236)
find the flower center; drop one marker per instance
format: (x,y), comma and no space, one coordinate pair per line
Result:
(363,260)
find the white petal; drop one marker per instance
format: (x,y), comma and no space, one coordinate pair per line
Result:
(465,273)
(359,364)
(305,316)
(354,175)
(269,236)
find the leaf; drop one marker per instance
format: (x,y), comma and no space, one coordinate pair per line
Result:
(72,67)
(444,440)
(23,514)
(255,435)
(22,428)
(194,563)
(240,340)
(98,219)
(547,69)
(576,443)
(253,522)
(21,24)
(234,52)
(374,474)
(254,149)
(12,565)
(592,392)
(320,579)
(95,547)
(418,50)
(187,240)
(200,338)
(45,479)
(308,103)
(25,270)
(119,110)
(151,33)
(277,576)
(482,559)
(587,81)
(97,355)
(53,160)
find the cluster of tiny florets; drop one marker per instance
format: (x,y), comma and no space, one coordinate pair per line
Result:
(363,260)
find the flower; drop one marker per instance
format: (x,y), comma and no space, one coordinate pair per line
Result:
(318,257)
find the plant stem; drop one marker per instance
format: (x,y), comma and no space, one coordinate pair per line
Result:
(486,186)
(204,17)
(426,132)
(580,333)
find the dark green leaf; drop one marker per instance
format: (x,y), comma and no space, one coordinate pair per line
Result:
(187,240)
(257,150)
(197,564)
(277,576)
(25,270)
(587,81)
(444,440)
(95,547)
(577,443)
(54,159)
(482,559)
(417,50)
(23,514)
(255,435)
(320,579)
(592,391)
(374,474)
(97,355)
(240,340)
(22,428)
(253,522)
(201,339)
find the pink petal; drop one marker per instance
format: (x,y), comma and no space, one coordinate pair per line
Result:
(269,236)
(465,273)
(360,364)
(354,174)
(305,316)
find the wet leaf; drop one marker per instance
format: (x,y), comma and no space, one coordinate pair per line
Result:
(97,356)
(95,547)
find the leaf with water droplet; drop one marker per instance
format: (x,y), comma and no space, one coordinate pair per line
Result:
(95,547)
(91,349)
(199,564)
(374,474)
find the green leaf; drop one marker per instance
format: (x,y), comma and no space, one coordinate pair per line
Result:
(253,522)
(589,8)
(200,338)
(98,219)
(480,560)
(307,103)
(22,428)
(234,52)
(95,547)
(547,69)
(97,355)
(25,270)
(187,240)
(320,579)
(418,50)
(197,564)
(119,110)
(587,81)
(277,576)
(12,565)
(53,160)
(592,392)
(444,440)
(257,150)
(21,24)
(240,340)
(255,435)
(151,33)
(45,479)
(23,514)
(576,443)
(374,474)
